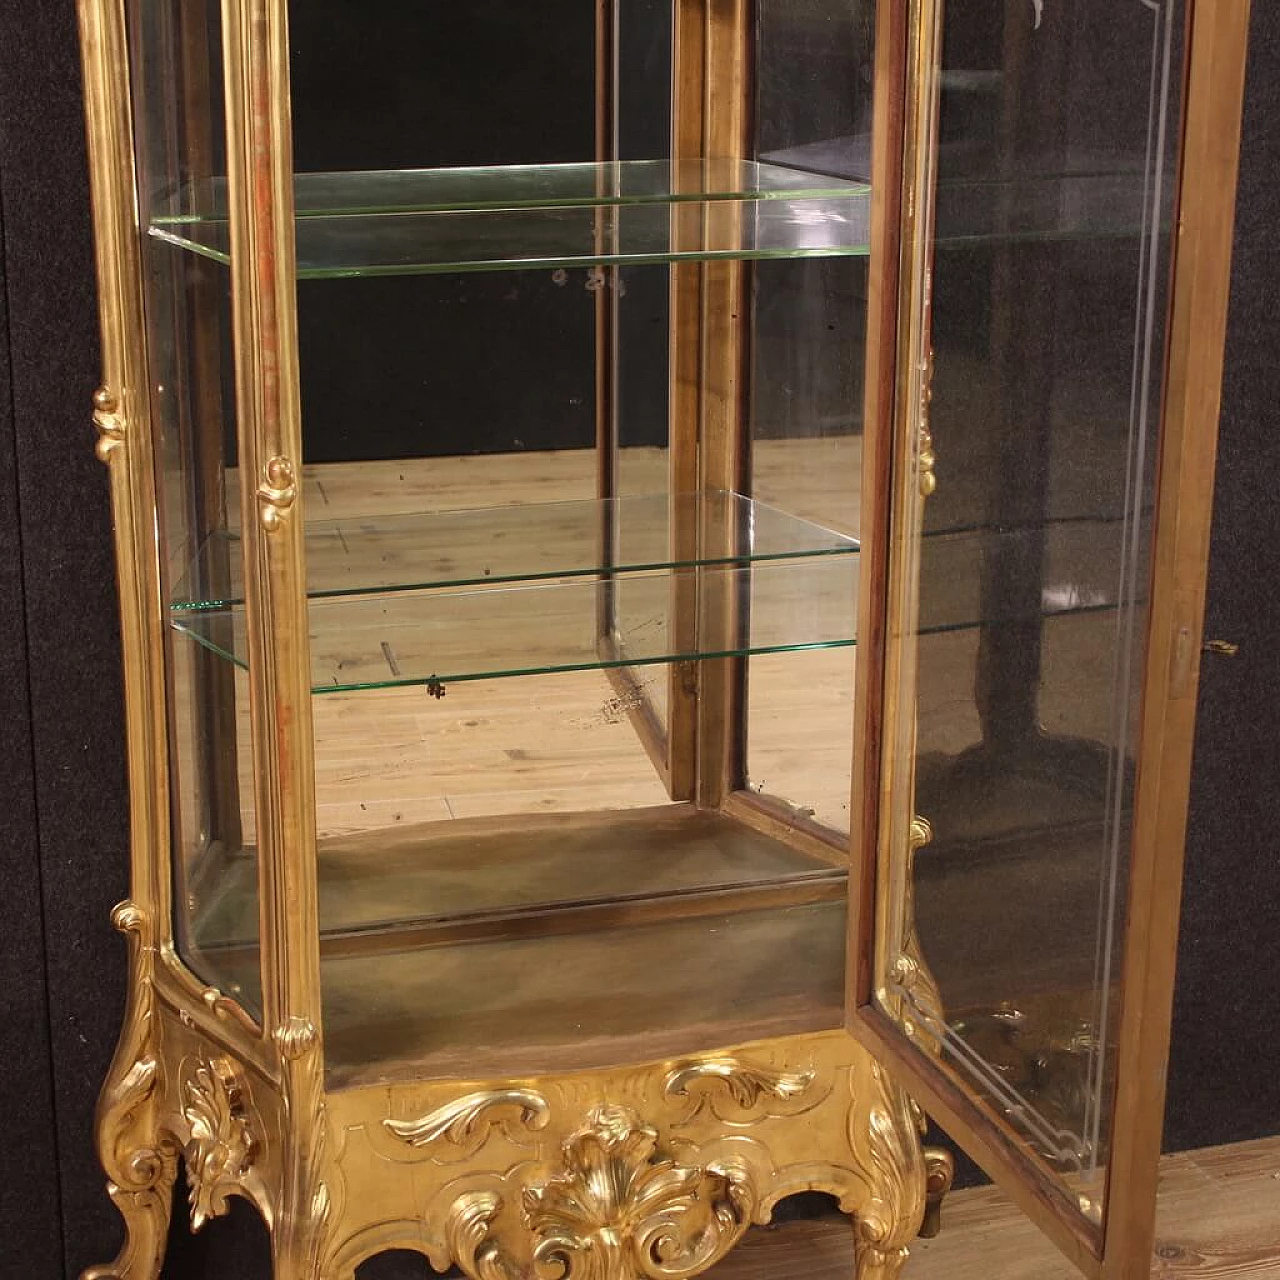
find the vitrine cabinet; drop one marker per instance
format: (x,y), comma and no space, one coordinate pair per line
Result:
(661,548)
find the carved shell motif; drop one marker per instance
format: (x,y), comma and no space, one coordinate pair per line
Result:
(222,1146)
(620,1210)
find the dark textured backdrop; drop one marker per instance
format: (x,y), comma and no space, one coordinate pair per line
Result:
(63,824)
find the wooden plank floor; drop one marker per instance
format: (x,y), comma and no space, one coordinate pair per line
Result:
(1219,1217)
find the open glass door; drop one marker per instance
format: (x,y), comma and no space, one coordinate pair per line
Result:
(1036,574)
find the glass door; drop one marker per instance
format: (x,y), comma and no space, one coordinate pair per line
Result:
(1037,553)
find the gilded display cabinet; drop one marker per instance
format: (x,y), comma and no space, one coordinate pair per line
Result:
(661,548)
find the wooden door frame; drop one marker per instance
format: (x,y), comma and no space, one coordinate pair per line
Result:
(1120,1248)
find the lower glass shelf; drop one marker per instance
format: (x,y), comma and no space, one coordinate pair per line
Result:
(542,609)
(441,636)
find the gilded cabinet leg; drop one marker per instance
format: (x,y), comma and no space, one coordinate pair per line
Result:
(879,1264)
(884,1137)
(145,1209)
(140,1161)
(300,1233)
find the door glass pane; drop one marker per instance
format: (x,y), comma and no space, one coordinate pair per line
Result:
(1055,180)
(176,65)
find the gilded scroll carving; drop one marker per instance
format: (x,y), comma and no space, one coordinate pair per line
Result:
(140,1161)
(277,493)
(465,1123)
(621,1210)
(222,1145)
(889,1161)
(909,973)
(109,421)
(617,1207)
(737,1090)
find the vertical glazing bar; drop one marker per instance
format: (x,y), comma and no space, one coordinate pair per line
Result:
(723,431)
(264,317)
(265,325)
(687,70)
(123,418)
(1189,434)
(887,241)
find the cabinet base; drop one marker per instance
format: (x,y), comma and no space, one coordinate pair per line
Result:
(644,1170)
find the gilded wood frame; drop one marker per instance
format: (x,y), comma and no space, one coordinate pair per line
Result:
(501,1176)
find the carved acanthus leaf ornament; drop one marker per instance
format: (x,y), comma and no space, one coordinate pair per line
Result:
(222,1145)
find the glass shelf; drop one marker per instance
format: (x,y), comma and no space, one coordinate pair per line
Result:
(405,600)
(369,224)
(528,186)
(441,636)
(522,543)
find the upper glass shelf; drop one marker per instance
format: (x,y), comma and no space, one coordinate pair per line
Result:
(526,543)
(526,186)
(522,216)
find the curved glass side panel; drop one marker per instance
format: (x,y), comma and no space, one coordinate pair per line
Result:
(1054,182)
(176,67)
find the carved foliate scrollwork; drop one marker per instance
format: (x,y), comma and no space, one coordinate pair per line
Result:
(736,1090)
(222,1144)
(889,1160)
(621,1210)
(618,1208)
(474,1238)
(465,1123)
(141,1162)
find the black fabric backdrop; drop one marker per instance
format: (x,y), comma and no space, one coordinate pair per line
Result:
(63,830)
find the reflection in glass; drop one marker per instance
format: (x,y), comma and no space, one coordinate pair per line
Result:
(1055,180)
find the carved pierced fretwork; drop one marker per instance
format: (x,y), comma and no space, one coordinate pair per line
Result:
(222,1144)
(736,1090)
(461,1127)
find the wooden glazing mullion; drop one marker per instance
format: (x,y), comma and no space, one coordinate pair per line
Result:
(723,416)
(688,69)
(628,686)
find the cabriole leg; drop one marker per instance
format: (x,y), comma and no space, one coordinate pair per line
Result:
(145,1209)
(140,1161)
(878,1264)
